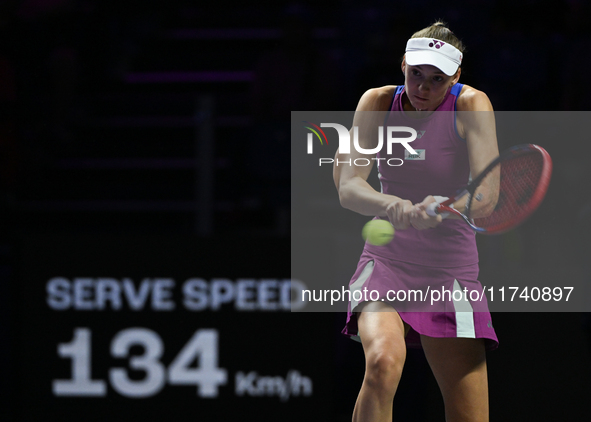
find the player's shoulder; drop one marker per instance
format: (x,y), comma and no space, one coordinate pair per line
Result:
(377,99)
(471,99)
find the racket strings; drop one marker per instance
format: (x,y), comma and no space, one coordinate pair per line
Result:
(519,179)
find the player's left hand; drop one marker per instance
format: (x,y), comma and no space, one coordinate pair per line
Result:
(420,220)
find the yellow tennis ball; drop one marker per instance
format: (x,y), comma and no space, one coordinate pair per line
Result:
(378,232)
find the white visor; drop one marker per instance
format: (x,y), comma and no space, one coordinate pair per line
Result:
(437,53)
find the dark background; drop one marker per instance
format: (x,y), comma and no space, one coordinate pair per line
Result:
(151,120)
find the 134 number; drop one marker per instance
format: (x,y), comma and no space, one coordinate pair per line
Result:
(203,347)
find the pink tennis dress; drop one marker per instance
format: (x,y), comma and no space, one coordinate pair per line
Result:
(428,276)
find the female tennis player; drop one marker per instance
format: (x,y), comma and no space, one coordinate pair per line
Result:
(458,140)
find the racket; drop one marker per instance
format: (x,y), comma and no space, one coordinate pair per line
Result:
(517,180)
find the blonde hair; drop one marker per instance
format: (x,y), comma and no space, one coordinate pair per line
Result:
(440,31)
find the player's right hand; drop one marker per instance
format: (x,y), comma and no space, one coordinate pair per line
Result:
(421,220)
(399,213)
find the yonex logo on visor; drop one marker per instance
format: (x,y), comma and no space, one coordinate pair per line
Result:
(433,52)
(436,43)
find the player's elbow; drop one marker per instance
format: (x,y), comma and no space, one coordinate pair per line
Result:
(345,195)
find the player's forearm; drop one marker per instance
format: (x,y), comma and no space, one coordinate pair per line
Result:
(357,195)
(486,196)
(481,206)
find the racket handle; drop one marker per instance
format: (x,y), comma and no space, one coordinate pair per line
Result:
(430,210)
(432,207)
